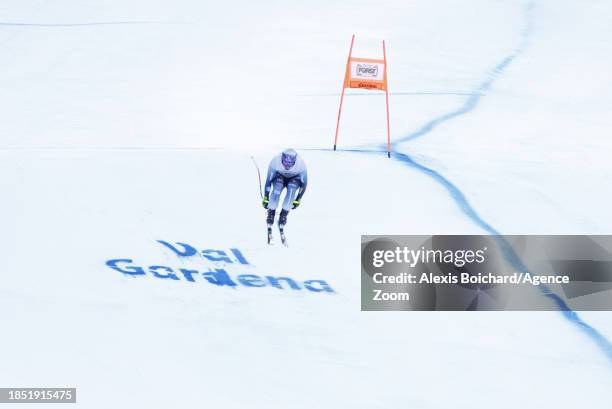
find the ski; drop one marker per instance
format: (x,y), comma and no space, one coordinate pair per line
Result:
(283,237)
(270,241)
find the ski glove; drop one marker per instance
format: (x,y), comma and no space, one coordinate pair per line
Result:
(265,202)
(296,203)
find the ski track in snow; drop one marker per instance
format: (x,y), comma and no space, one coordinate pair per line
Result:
(470,104)
(99,23)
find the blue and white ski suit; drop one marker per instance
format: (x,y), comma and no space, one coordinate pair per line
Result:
(295,179)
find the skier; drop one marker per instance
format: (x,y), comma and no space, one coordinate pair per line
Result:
(286,170)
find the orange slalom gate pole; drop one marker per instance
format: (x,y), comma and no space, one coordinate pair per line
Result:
(343,88)
(387,98)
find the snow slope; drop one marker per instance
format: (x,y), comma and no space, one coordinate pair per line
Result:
(127,123)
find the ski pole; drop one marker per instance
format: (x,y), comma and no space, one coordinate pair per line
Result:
(258,176)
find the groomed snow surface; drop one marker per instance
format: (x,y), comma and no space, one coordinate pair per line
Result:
(127,133)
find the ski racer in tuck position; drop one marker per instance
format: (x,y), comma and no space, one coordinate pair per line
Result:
(286,171)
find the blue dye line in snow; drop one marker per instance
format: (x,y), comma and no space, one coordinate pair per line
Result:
(508,251)
(459,197)
(472,102)
(456,193)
